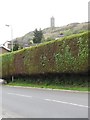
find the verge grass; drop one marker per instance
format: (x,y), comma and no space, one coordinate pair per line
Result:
(55,84)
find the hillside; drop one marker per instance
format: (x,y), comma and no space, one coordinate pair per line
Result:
(52,33)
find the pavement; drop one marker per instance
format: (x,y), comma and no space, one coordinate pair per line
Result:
(19,102)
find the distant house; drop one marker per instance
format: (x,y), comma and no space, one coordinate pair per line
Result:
(26,46)
(59,36)
(3,49)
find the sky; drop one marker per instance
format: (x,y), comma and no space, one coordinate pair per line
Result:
(27,15)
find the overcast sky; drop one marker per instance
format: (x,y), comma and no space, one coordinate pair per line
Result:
(26,15)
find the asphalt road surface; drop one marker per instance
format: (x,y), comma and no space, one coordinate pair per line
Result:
(18,102)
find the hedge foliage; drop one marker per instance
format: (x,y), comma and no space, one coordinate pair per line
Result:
(66,55)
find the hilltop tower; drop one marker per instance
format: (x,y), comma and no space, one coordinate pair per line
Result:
(52,22)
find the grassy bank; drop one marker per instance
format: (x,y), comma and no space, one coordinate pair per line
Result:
(61,82)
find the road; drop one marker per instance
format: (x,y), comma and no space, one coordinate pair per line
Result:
(18,102)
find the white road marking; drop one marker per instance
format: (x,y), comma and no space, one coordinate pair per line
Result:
(67,103)
(20,95)
(50,100)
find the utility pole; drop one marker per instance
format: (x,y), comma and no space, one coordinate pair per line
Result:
(11,42)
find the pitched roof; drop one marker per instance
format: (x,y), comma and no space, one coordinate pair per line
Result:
(1,46)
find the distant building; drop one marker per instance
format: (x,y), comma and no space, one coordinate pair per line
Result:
(26,46)
(3,49)
(59,36)
(8,44)
(52,22)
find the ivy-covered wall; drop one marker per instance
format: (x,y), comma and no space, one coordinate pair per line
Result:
(66,55)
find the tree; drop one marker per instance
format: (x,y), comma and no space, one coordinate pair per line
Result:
(38,35)
(15,47)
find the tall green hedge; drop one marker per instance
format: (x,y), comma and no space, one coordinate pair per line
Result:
(66,55)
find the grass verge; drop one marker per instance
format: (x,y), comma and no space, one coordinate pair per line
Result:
(77,88)
(55,84)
